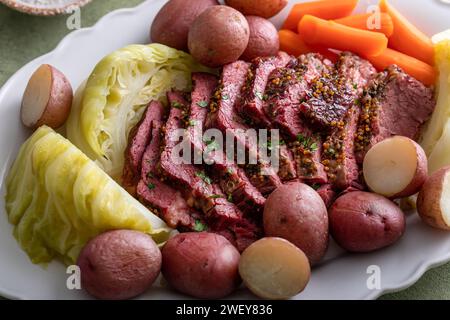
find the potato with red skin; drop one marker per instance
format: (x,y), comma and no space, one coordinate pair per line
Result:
(263,8)
(203,265)
(297,213)
(396,167)
(47,99)
(172,23)
(365,222)
(119,264)
(264,40)
(218,36)
(433,202)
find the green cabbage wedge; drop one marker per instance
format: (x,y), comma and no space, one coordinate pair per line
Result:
(115,97)
(58,199)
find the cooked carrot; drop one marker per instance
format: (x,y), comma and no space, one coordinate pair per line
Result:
(414,67)
(407,38)
(371,22)
(330,34)
(293,44)
(325,9)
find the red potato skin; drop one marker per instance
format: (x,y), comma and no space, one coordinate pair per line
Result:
(228,41)
(365,222)
(428,201)
(264,40)
(120,264)
(202,265)
(172,23)
(420,176)
(59,103)
(297,213)
(263,8)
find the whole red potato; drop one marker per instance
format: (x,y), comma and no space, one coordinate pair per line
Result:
(365,222)
(203,265)
(263,8)
(119,264)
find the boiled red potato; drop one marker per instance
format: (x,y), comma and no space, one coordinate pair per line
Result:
(119,264)
(274,268)
(396,167)
(202,265)
(365,222)
(47,98)
(264,40)
(218,36)
(433,202)
(172,23)
(263,8)
(297,213)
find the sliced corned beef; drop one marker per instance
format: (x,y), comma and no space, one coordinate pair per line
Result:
(159,196)
(338,155)
(139,138)
(287,171)
(224,117)
(194,182)
(333,94)
(307,150)
(328,194)
(394,104)
(251,104)
(232,179)
(287,88)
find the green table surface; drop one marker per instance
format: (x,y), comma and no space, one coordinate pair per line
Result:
(24,37)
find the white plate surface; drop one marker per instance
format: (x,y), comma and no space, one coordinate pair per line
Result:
(341,276)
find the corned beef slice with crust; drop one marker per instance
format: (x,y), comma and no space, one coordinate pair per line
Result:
(225,118)
(333,94)
(251,103)
(159,196)
(139,138)
(200,190)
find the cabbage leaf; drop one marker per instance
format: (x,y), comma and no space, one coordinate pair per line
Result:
(58,199)
(115,97)
(436,136)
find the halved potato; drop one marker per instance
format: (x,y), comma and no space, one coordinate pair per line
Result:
(274,268)
(433,203)
(47,98)
(396,167)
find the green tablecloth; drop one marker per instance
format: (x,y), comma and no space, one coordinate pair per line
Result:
(23,38)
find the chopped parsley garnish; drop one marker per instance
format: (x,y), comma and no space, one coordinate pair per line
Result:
(177,105)
(230,198)
(150,175)
(192,123)
(200,226)
(316,186)
(151,186)
(259,95)
(203,176)
(211,145)
(307,143)
(216,196)
(355,86)
(225,97)
(313,147)
(202,104)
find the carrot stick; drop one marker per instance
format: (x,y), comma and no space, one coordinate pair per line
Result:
(407,38)
(414,67)
(330,34)
(325,9)
(293,44)
(370,22)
